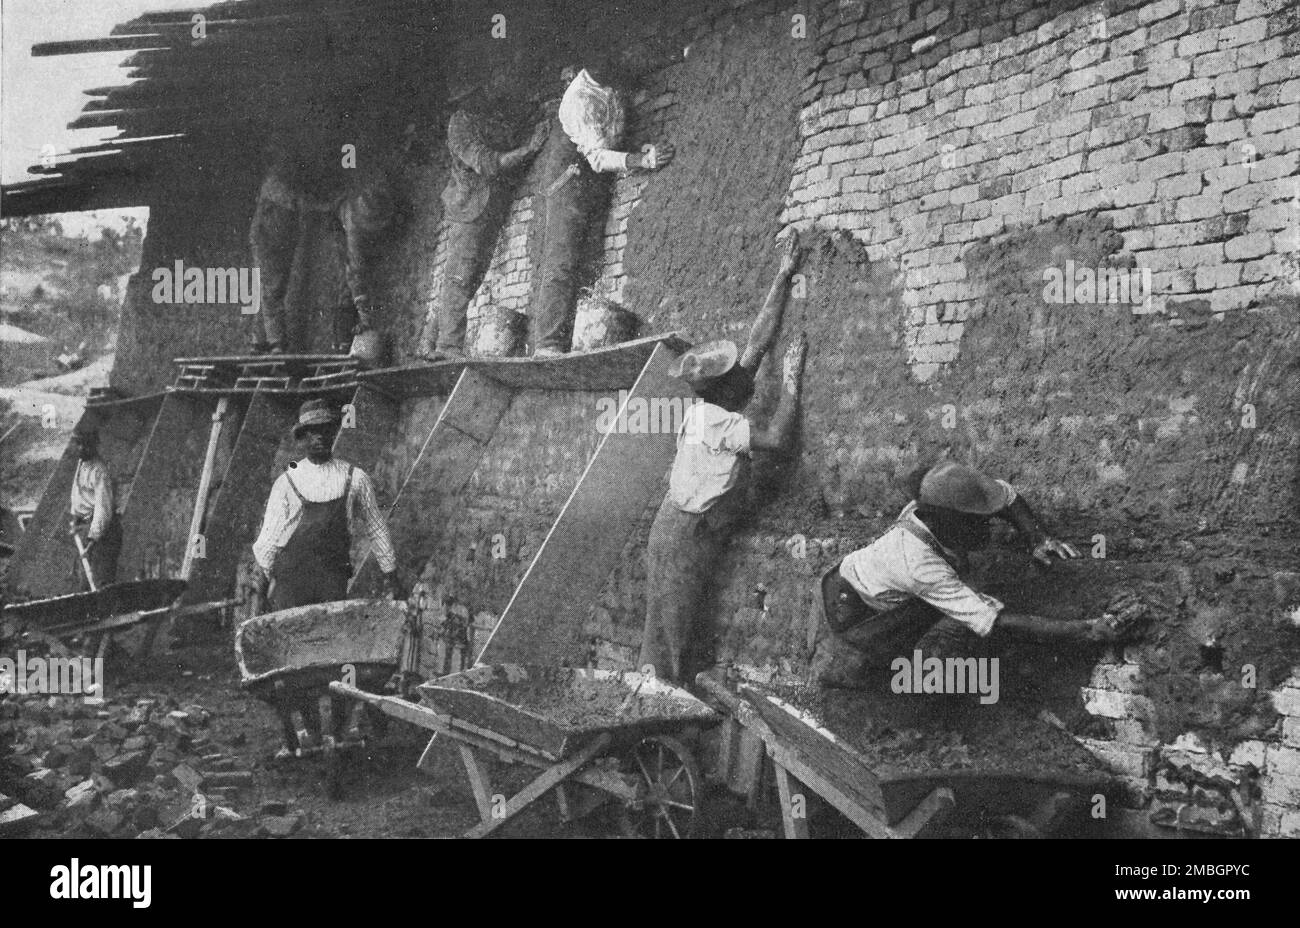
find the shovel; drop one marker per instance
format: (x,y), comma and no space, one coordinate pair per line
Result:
(85,558)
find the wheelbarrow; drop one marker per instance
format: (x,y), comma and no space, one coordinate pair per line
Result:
(593,735)
(289,658)
(94,616)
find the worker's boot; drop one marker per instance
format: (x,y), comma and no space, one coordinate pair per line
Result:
(290,733)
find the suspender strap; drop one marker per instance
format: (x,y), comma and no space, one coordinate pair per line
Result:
(294,487)
(908,526)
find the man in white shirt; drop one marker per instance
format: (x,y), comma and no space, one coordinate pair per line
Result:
(904,590)
(306,539)
(706,489)
(91,509)
(584,145)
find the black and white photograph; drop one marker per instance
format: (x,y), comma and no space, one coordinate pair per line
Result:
(681,420)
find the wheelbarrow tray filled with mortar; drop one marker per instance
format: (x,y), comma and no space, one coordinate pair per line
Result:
(591,737)
(899,766)
(557,710)
(309,646)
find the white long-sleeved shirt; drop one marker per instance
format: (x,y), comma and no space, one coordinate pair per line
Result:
(320,483)
(92,496)
(594,118)
(898,567)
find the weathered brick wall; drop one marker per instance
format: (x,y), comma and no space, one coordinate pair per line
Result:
(942,156)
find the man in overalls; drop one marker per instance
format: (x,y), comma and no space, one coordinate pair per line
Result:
(904,590)
(583,144)
(306,539)
(707,486)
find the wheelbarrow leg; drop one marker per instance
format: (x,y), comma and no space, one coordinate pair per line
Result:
(793,820)
(539,787)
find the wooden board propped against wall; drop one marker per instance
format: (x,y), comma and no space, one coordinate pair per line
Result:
(164,469)
(543,623)
(236,510)
(446,461)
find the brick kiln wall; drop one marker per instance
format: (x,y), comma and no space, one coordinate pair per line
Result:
(947,154)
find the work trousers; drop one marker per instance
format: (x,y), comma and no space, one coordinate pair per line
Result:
(468,254)
(681,558)
(856,643)
(356,224)
(567,220)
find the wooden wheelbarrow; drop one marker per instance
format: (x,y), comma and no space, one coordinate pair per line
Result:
(895,802)
(289,658)
(96,615)
(592,735)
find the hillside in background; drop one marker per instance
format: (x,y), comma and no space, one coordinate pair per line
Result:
(58,292)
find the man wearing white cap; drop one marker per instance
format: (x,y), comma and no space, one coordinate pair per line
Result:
(904,590)
(706,492)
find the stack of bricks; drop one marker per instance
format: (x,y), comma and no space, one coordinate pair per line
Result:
(926,130)
(1187,784)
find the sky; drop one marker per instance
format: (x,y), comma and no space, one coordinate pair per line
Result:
(40,96)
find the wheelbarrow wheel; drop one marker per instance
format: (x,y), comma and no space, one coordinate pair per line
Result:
(668,790)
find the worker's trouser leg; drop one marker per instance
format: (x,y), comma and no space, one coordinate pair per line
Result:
(103,557)
(681,556)
(568,217)
(361,220)
(274,239)
(469,251)
(856,644)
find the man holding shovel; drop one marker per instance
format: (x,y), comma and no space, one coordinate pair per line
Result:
(305,543)
(91,507)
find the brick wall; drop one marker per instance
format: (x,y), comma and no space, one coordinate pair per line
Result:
(943,157)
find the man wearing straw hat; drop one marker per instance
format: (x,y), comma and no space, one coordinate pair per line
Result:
(315,508)
(905,591)
(707,485)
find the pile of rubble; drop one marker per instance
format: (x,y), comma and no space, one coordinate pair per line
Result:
(126,768)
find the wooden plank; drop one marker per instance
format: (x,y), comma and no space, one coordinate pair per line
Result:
(480,781)
(794,822)
(447,460)
(543,622)
(205,481)
(539,787)
(163,469)
(42,564)
(374,418)
(240,502)
(928,814)
(614,368)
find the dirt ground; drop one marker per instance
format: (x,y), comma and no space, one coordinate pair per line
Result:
(228,731)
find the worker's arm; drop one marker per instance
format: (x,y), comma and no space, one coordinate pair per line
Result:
(1026,627)
(515,157)
(365,508)
(466,143)
(103,505)
(762,335)
(1041,544)
(780,430)
(275,526)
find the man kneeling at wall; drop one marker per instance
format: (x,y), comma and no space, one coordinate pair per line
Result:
(904,592)
(306,541)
